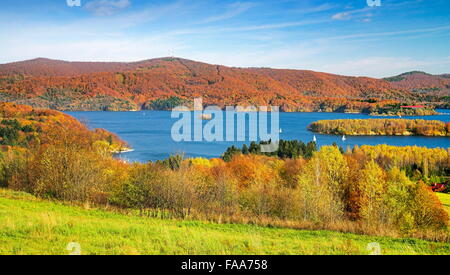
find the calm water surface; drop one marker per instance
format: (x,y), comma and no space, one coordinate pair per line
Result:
(149,133)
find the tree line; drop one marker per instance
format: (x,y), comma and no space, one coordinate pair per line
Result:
(285,149)
(381,127)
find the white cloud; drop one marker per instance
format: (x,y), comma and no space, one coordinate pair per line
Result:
(320,8)
(346,15)
(367,18)
(341,16)
(248,28)
(235,9)
(106,7)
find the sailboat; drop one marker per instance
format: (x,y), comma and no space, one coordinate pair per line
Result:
(314,138)
(205,117)
(281,131)
(344,138)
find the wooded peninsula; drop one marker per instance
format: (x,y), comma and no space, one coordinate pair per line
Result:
(381,127)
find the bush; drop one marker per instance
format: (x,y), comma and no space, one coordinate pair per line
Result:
(427,209)
(67,174)
(153,187)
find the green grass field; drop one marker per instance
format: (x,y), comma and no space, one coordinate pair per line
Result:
(445,199)
(32,226)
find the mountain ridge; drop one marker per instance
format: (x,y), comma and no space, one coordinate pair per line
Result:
(73,85)
(6,67)
(418,81)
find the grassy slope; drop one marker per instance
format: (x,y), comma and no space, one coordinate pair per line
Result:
(445,199)
(32,226)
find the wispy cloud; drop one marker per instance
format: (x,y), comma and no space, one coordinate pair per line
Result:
(248,28)
(395,3)
(234,10)
(106,7)
(320,8)
(346,15)
(341,16)
(380,34)
(275,26)
(364,14)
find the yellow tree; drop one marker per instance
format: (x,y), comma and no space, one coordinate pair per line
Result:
(371,187)
(321,186)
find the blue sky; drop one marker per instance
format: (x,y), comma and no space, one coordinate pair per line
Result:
(342,37)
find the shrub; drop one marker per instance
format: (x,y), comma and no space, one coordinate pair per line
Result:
(154,187)
(427,209)
(66,173)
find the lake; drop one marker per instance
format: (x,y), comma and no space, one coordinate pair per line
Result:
(149,133)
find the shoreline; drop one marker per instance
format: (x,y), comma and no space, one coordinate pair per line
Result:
(126,150)
(300,112)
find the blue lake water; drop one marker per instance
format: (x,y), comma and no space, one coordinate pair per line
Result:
(149,133)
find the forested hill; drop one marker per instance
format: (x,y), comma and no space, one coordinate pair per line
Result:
(24,128)
(417,81)
(164,82)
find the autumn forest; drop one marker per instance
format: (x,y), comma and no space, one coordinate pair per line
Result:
(382,127)
(146,84)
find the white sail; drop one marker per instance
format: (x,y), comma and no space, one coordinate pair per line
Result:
(281,131)
(344,138)
(314,138)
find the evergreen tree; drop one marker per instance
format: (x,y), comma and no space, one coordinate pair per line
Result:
(245,150)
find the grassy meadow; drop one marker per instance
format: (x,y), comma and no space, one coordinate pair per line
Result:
(445,199)
(33,226)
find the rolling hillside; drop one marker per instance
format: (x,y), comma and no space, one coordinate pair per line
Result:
(434,88)
(420,81)
(164,82)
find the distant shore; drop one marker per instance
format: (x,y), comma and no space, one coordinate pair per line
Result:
(382,127)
